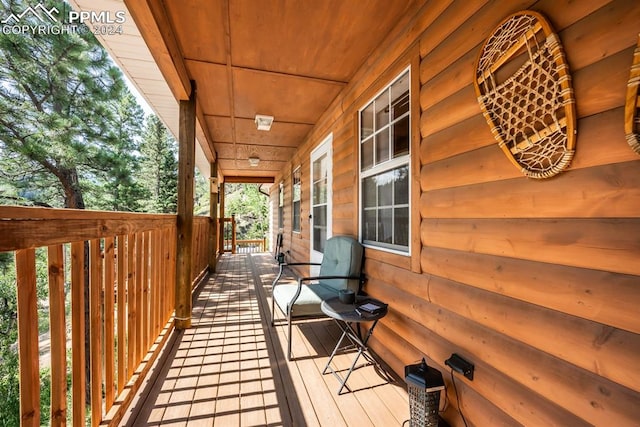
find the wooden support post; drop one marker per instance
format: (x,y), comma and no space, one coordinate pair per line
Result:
(233,234)
(186,164)
(213,215)
(221,232)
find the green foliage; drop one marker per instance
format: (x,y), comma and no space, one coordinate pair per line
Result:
(9,376)
(117,187)
(201,194)
(159,168)
(251,209)
(9,372)
(58,113)
(9,389)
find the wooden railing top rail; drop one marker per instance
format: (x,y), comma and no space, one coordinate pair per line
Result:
(25,212)
(31,227)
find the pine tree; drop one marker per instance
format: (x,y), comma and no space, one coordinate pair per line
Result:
(55,105)
(159,167)
(117,188)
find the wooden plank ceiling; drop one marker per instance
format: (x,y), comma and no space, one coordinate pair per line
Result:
(284,58)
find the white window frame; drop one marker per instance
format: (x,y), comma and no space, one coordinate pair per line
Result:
(386,166)
(296,197)
(281,207)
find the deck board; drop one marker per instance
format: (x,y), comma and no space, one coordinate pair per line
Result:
(230,367)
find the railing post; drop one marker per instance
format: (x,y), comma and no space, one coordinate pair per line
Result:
(233,234)
(186,165)
(213,214)
(264,244)
(221,233)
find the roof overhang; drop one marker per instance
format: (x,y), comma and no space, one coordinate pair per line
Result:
(288,59)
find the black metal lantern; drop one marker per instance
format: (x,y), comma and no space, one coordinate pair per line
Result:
(424,384)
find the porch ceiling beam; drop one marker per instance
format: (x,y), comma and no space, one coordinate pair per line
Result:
(249,179)
(154,25)
(204,136)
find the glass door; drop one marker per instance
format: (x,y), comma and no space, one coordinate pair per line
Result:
(321,207)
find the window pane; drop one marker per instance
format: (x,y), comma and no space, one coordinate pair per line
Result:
(400,137)
(382,146)
(400,96)
(401,226)
(369,192)
(296,192)
(382,110)
(320,216)
(369,225)
(319,192)
(319,238)
(296,216)
(385,228)
(366,122)
(385,188)
(319,227)
(367,154)
(320,168)
(401,187)
(399,105)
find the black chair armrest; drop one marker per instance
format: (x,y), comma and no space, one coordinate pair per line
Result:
(306,279)
(301,263)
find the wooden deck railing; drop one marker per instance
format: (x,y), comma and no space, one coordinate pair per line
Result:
(249,246)
(231,244)
(125,263)
(228,232)
(200,247)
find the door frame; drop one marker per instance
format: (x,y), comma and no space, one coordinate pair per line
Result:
(324,148)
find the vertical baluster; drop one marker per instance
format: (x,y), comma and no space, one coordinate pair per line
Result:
(78,378)
(109,324)
(58,336)
(131,305)
(28,338)
(95,310)
(145,321)
(138,299)
(122,296)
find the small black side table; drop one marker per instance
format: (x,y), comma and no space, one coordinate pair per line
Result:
(346,316)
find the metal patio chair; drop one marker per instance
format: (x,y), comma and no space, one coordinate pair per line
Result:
(341,268)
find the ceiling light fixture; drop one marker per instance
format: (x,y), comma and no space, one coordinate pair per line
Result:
(253,161)
(263,122)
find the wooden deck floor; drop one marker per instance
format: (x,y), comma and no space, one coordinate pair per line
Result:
(230,368)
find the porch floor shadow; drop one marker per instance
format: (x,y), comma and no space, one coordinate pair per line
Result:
(230,368)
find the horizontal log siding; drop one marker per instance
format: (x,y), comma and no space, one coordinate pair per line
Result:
(536,282)
(571,240)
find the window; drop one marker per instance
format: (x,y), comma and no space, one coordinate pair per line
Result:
(385,137)
(281,206)
(296,199)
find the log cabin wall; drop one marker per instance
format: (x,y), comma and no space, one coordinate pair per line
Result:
(535,282)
